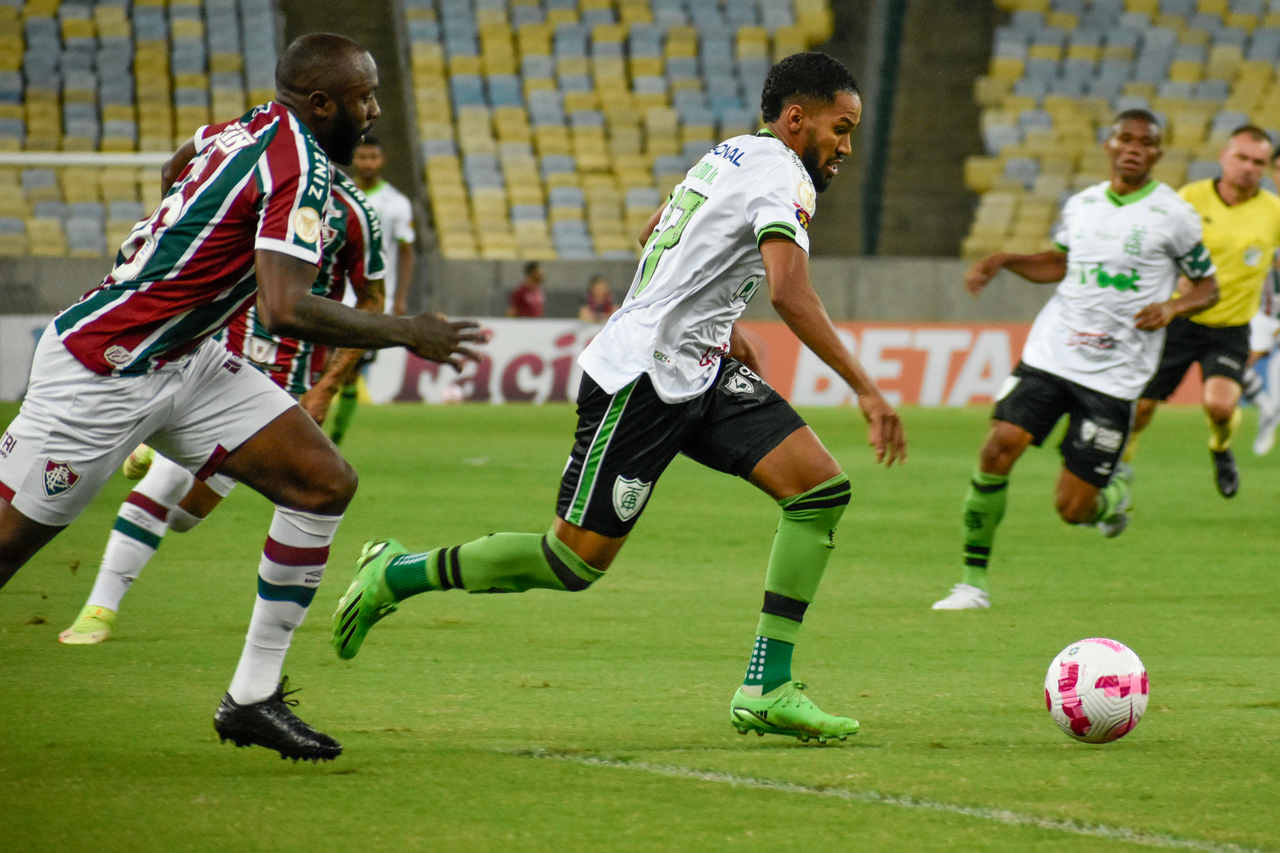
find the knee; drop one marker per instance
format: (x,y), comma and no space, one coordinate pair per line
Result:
(997,457)
(1220,411)
(1142,415)
(332,489)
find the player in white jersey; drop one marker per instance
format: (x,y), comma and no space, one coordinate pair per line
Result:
(668,375)
(395,211)
(1116,259)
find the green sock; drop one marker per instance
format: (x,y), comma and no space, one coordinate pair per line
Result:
(1109,498)
(348,399)
(801,547)
(499,562)
(983,508)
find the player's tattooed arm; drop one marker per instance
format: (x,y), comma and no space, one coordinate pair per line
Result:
(173,167)
(1190,297)
(787,268)
(287,307)
(1042,268)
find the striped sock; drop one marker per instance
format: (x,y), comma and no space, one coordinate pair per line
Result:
(134,538)
(801,549)
(983,509)
(292,566)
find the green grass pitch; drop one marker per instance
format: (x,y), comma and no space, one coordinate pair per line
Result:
(599,721)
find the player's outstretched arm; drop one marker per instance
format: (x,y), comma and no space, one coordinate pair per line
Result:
(1191,297)
(288,308)
(787,267)
(1042,268)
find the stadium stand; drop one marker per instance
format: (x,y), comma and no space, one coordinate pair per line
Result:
(1061,69)
(114,76)
(554,129)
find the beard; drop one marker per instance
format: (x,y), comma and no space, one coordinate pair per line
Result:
(344,137)
(811,165)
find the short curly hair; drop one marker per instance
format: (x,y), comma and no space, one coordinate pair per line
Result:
(807,75)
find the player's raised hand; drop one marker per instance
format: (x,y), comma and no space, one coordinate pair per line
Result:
(885,432)
(1155,316)
(437,338)
(981,273)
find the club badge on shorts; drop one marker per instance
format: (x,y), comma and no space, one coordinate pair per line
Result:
(629,497)
(59,477)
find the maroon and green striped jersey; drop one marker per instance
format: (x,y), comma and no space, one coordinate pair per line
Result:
(352,237)
(258,182)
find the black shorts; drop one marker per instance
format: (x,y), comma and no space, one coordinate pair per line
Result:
(624,442)
(1096,432)
(1221,351)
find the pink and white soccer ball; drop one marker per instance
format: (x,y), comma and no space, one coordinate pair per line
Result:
(1096,690)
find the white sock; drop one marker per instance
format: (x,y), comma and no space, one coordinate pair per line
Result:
(180,521)
(292,566)
(140,525)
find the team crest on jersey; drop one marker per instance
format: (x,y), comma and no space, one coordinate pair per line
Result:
(59,477)
(234,137)
(306,224)
(629,497)
(1252,256)
(117,355)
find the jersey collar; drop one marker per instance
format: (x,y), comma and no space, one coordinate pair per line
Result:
(764,131)
(1135,196)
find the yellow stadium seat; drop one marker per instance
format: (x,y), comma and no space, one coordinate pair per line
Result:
(556,17)
(1005,68)
(646,66)
(1042,51)
(1212,7)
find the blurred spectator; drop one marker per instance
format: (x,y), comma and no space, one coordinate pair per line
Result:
(396,214)
(599,302)
(528,299)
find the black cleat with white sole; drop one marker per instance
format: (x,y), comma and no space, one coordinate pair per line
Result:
(1225,474)
(272,723)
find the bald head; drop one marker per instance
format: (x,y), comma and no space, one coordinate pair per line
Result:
(319,62)
(329,82)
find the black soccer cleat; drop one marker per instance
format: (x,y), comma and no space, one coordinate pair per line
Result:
(272,724)
(1225,473)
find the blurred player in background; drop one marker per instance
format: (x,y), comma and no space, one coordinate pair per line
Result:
(665,376)
(1242,233)
(396,214)
(597,306)
(169,497)
(1264,340)
(1093,347)
(135,361)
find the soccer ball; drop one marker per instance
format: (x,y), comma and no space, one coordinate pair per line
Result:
(1096,690)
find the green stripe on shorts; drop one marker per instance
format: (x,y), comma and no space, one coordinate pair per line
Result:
(591,465)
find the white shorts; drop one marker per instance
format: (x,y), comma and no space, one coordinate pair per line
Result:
(75,427)
(1263,329)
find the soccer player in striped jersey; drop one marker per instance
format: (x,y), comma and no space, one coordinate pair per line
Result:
(135,361)
(667,375)
(168,496)
(1117,255)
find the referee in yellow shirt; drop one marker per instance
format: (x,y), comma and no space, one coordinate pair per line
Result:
(1242,233)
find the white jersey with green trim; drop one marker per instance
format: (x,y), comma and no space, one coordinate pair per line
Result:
(701,266)
(1123,253)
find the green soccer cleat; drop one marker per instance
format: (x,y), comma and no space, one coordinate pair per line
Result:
(139,463)
(92,626)
(367,600)
(786,710)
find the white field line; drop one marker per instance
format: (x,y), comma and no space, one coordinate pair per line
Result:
(1011,818)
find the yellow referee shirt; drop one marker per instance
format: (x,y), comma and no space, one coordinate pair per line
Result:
(1242,239)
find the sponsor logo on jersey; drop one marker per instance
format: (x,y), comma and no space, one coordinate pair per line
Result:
(713,353)
(1091,340)
(7,444)
(1133,242)
(117,355)
(59,477)
(659,355)
(802,216)
(629,496)
(806,196)
(306,224)
(232,365)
